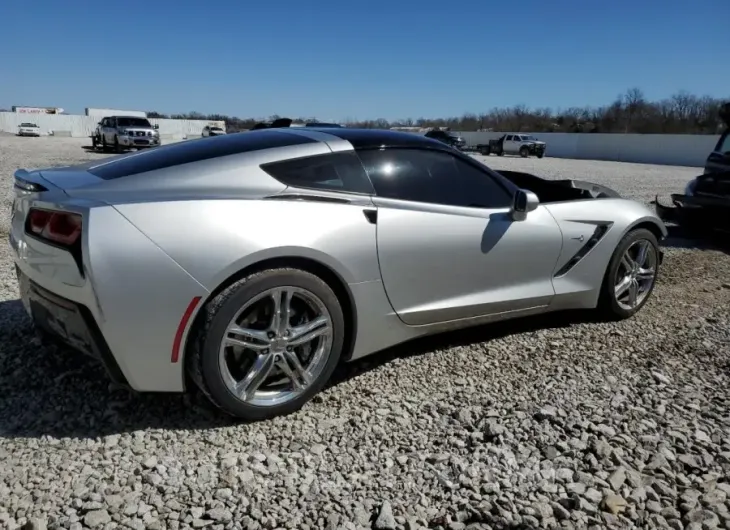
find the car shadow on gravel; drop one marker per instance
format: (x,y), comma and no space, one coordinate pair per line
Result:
(463,337)
(51,391)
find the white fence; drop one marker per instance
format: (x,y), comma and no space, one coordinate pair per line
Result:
(669,149)
(79,126)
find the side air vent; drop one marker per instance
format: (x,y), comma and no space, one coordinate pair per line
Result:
(598,234)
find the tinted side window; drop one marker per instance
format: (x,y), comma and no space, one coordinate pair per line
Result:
(433,177)
(195,151)
(334,172)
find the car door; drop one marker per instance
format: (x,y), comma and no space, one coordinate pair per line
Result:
(109,129)
(447,245)
(509,144)
(719,159)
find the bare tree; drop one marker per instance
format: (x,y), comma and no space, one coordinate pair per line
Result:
(631,112)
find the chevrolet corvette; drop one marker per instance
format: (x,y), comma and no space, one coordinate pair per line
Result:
(251,264)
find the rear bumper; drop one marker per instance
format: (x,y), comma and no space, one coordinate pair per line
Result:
(63,321)
(709,213)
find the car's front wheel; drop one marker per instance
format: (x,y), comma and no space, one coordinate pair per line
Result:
(268,343)
(524,152)
(631,275)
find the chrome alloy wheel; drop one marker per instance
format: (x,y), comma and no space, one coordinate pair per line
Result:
(636,274)
(276,346)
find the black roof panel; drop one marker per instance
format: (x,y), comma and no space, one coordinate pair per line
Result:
(195,151)
(373,138)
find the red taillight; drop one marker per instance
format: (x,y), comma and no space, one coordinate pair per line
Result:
(62,228)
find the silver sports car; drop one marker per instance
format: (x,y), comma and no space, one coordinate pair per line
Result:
(251,264)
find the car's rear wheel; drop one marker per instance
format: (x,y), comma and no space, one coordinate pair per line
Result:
(268,343)
(540,155)
(524,152)
(631,275)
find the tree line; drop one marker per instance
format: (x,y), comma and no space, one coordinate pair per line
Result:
(630,112)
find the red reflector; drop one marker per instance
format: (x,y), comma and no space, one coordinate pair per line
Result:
(63,228)
(175,357)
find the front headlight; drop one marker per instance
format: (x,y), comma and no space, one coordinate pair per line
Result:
(689,189)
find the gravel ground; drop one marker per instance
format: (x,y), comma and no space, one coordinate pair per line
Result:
(552,422)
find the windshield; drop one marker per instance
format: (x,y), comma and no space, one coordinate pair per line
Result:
(216,129)
(133,122)
(529,138)
(28,125)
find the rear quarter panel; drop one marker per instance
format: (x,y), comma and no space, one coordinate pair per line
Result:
(214,239)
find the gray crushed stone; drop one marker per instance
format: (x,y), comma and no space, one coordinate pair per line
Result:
(548,423)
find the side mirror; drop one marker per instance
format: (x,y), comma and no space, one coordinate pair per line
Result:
(156,126)
(523,203)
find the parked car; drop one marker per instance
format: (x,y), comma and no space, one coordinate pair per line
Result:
(515,144)
(28,129)
(315,124)
(212,130)
(147,261)
(125,132)
(447,137)
(704,207)
(718,161)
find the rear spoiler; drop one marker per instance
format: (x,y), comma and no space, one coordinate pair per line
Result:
(281,123)
(25,180)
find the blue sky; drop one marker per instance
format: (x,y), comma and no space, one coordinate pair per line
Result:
(338,59)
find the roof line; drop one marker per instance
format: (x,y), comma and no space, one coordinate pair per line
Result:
(317,135)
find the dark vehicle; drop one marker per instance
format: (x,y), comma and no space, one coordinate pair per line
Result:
(322,125)
(719,159)
(287,122)
(514,144)
(448,138)
(276,124)
(705,203)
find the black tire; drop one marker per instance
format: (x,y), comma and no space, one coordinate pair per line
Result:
(524,152)
(203,352)
(104,146)
(484,150)
(541,155)
(117,147)
(608,306)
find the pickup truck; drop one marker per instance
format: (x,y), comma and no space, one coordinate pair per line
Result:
(447,137)
(514,144)
(125,132)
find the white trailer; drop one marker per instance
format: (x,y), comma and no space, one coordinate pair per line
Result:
(105,113)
